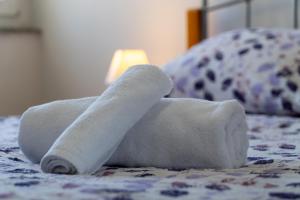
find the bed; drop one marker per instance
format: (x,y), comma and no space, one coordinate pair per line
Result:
(272,171)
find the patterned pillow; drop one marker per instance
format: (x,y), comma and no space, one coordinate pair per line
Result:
(259,67)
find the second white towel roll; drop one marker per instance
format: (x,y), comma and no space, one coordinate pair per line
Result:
(94,136)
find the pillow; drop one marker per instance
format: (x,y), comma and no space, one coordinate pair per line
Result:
(258,67)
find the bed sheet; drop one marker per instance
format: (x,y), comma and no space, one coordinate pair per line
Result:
(272,172)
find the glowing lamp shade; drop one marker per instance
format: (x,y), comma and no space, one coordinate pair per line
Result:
(122,60)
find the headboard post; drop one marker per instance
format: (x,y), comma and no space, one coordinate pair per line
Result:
(295,14)
(204,19)
(248,14)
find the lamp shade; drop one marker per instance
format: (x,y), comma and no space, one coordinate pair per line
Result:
(122,60)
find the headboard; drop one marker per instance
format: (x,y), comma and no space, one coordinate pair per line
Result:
(206,8)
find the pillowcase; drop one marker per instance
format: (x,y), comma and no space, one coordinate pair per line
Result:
(258,67)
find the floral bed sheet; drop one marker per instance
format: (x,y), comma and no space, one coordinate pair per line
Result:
(272,172)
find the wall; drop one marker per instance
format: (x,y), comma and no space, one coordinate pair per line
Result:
(20,58)
(24,20)
(80,37)
(20,83)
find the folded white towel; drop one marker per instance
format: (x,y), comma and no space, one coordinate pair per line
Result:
(175,133)
(86,144)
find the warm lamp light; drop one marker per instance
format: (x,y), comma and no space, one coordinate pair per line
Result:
(122,60)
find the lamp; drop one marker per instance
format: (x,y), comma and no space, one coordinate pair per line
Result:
(122,60)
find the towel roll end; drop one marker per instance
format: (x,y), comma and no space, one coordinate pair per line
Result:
(56,165)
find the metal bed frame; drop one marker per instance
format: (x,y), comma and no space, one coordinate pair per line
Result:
(206,9)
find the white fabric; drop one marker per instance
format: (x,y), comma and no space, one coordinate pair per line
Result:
(85,145)
(175,133)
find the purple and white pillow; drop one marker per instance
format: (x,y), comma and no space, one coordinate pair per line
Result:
(259,67)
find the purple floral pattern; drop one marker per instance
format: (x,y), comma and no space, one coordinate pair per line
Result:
(272,172)
(258,67)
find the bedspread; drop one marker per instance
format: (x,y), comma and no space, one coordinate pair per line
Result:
(272,172)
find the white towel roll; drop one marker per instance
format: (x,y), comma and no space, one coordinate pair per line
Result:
(86,144)
(175,133)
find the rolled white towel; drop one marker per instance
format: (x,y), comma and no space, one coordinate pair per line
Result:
(86,144)
(175,133)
